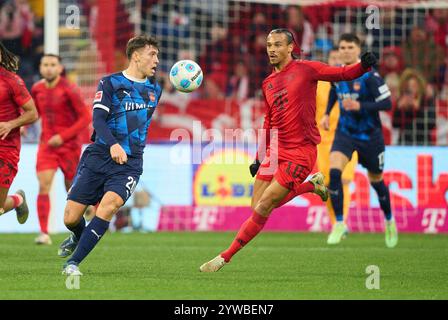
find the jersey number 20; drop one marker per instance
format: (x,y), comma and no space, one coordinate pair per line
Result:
(130,186)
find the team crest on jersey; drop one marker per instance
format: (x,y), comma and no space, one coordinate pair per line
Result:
(98,96)
(152,96)
(356,86)
(270,86)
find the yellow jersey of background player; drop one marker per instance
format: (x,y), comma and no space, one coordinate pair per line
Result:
(323,149)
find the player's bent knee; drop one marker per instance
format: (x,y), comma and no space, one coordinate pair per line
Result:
(253,205)
(70,219)
(262,208)
(73,213)
(44,189)
(265,206)
(338,160)
(44,186)
(108,208)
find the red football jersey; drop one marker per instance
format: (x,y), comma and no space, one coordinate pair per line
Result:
(290,97)
(13,95)
(62,111)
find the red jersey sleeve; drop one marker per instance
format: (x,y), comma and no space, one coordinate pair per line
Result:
(324,72)
(20,93)
(84,116)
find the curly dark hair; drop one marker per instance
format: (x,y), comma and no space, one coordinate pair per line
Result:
(8,60)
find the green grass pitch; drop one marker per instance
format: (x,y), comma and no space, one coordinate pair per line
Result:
(274,266)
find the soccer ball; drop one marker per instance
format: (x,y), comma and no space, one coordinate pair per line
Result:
(186,75)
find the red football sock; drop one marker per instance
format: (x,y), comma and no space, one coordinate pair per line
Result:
(303,188)
(17,199)
(248,230)
(291,195)
(43,211)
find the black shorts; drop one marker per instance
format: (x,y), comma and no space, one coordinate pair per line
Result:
(97,174)
(370,152)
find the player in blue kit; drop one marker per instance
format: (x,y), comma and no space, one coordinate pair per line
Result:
(110,167)
(359,128)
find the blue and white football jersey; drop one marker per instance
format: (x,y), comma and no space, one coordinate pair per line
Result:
(130,104)
(368,88)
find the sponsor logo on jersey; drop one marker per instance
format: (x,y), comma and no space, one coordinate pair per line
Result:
(131,106)
(353,96)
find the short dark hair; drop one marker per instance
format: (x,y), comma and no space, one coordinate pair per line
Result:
(52,55)
(350,37)
(139,42)
(286,32)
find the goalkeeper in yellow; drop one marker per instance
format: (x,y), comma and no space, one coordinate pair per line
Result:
(327,130)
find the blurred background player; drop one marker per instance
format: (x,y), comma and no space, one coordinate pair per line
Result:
(64,115)
(327,128)
(291,119)
(359,128)
(13,97)
(111,167)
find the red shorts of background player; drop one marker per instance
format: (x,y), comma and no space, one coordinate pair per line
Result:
(9,159)
(290,174)
(64,157)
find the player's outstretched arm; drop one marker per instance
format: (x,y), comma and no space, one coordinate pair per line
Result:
(380,91)
(324,72)
(29,116)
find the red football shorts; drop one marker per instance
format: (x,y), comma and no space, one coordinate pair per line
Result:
(9,159)
(289,174)
(64,157)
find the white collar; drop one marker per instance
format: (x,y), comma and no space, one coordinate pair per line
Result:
(132,78)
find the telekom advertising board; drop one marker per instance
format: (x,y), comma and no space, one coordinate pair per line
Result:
(417,177)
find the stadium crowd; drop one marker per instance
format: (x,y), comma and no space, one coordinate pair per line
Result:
(233,53)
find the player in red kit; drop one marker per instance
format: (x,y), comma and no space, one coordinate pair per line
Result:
(16,109)
(292,136)
(64,115)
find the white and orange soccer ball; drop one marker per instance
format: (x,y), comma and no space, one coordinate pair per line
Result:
(186,75)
